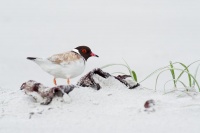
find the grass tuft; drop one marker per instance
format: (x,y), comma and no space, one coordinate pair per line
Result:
(172,67)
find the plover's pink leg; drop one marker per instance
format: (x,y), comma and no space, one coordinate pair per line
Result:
(68,81)
(54,81)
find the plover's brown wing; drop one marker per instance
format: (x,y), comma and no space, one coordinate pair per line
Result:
(64,58)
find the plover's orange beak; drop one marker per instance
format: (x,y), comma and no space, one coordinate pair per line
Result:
(92,54)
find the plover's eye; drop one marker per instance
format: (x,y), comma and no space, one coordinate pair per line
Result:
(84,51)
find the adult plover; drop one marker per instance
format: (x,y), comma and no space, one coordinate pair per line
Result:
(65,65)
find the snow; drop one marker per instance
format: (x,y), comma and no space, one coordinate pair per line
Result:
(147,34)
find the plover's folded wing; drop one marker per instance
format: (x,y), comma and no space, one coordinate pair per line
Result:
(64,58)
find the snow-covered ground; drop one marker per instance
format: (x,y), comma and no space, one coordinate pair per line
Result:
(147,34)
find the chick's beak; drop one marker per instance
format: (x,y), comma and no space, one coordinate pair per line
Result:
(92,54)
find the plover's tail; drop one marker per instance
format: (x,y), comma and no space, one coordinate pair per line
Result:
(31,58)
(35,59)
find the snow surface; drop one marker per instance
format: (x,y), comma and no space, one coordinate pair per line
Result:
(147,34)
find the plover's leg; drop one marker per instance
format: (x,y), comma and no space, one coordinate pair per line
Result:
(54,81)
(68,81)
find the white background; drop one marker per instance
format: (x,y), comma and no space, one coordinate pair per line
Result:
(146,33)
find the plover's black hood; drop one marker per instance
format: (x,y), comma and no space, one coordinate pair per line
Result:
(85,52)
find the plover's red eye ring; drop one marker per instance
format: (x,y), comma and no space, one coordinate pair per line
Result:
(84,51)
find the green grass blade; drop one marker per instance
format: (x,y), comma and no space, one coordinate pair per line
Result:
(173,73)
(195,74)
(182,83)
(193,63)
(185,69)
(128,68)
(194,79)
(158,77)
(134,75)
